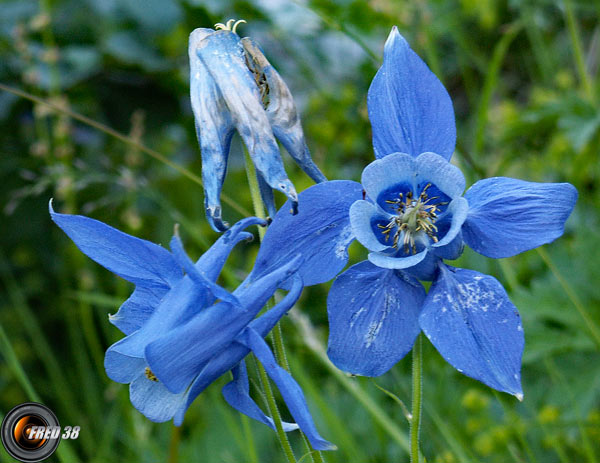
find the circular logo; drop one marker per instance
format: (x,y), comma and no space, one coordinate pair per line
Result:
(30,432)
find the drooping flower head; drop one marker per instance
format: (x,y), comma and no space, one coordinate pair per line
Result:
(410,213)
(183,331)
(234,87)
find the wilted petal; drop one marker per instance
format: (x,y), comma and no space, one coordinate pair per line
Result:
(409,108)
(138,261)
(508,216)
(373,318)
(281,110)
(214,128)
(320,232)
(289,389)
(237,394)
(470,320)
(222,54)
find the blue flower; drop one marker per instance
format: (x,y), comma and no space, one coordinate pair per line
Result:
(234,87)
(183,331)
(410,213)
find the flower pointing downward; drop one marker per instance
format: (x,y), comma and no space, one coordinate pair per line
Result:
(234,87)
(183,331)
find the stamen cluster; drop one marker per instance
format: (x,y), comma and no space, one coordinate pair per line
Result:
(414,217)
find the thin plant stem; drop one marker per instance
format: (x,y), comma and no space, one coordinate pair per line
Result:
(274,412)
(259,211)
(417,395)
(584,77)
(124,138)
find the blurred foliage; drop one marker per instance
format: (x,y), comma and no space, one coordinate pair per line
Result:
(523,75)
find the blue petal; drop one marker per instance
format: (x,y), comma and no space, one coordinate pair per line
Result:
(458,210)
(138,261)
(383,175)
(136,310)
(187,298)
(433,168)
(153,400)
(226,360)
(362,216)
(212,261)
(266,194)
(508,216)
(177,357)
(122,368)
(237,394)
(282,113)
(289,389)
(470,320)
(320,232)
(393,262)
(196,276)
(222,54)
(373,318)
(409,108)
(214,128)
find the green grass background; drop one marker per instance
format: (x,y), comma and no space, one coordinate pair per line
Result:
(523,76)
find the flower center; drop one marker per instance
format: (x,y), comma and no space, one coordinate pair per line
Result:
(415,217)
(151,376)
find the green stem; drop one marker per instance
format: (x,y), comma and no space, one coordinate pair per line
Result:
(578,49)
(274,412)
(417,395)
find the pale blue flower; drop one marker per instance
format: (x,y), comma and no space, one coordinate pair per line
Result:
(234,87)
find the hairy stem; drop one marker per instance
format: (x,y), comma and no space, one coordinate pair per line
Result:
(417,394)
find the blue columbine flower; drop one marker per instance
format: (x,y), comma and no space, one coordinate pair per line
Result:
(410,213)
(179,338)
(234,87)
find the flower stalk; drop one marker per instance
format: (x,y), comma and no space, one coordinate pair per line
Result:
(417,396)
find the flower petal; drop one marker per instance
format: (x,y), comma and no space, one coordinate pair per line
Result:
(433,168)
(153,400)
(235,352)
(138,261)
(222,54)
(470,320)
(391,262)
(458,210)
(237,394)
(212,261)
(362,215)
(373,318)
(136,310)
(508,216)
(214,128)
(409,108)
(176,357)
(122,368)
(282,113)
(397,171)
(320,232)
(289,389)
